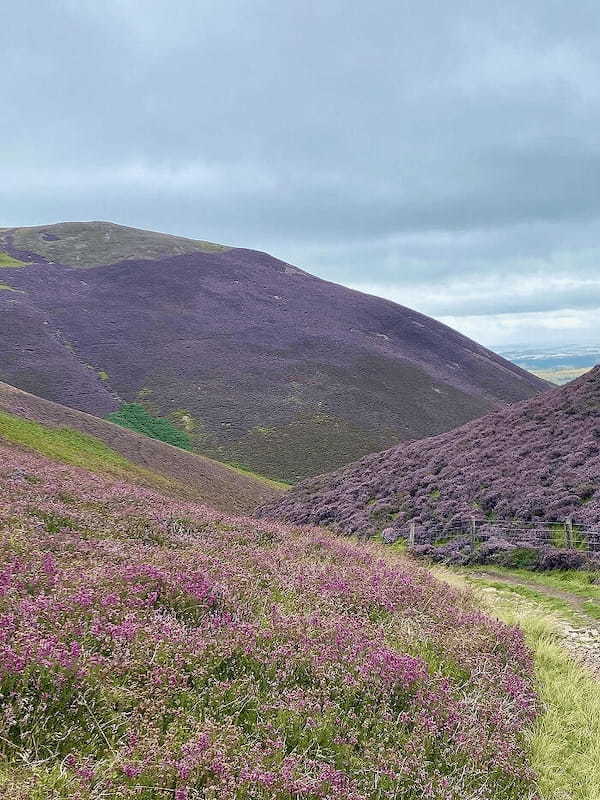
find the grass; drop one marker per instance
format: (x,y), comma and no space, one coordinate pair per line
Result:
(267,481)
(547,602)
(86,244)
(5,287)
(9,261)
(75,448)
(565,742)
(591,609)
(579,582)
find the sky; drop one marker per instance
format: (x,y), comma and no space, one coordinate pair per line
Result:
(443,155)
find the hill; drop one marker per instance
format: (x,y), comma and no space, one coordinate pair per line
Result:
(151,647)
(536,460)
(261,363)
(117,451)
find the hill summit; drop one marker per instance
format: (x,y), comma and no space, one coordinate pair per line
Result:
(261,363)
(537,460)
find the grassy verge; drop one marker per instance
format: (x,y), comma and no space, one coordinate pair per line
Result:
(545,602)
(565,743)
(579,582)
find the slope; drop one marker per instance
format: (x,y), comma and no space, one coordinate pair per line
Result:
(126,454)
(262,363)
(152,647)
(537,460)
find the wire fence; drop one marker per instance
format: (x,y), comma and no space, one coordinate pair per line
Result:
(565,534)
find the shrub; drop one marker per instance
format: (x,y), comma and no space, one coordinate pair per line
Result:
(561,558)
(492,550)
(520,558)
(135,417)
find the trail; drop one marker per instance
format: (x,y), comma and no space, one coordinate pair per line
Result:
(579,631)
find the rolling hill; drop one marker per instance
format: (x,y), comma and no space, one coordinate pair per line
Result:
(536,460)
(263,364)
(84,440)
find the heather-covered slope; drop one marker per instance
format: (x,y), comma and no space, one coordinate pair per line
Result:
(185,474)
(262,363)
(151,648)
(535,460)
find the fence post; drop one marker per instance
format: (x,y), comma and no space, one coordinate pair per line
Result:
(569,532)
(411,534)
(473,528)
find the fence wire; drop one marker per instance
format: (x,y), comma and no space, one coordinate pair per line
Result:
(565,534)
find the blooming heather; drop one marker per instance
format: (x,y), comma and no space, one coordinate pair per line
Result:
(537,460)
(155,649)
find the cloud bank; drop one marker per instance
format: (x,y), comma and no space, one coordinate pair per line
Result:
(443,155)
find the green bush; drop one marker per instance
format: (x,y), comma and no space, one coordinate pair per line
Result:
(520,558)
(135,417)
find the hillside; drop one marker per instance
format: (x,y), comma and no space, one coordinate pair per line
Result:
(151,647)
(263,364)
(137,458)
(537,460)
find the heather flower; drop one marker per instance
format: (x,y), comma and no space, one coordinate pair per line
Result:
(231,658)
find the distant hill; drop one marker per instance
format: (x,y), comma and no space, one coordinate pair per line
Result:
(558,365)
(262,364)
(126,454)
(537,460)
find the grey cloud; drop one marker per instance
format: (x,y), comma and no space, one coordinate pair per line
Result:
(403,142)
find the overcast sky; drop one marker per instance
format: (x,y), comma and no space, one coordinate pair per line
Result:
(445,155)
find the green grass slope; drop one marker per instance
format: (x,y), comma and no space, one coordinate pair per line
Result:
(89,244)
(79,450)
(10,262)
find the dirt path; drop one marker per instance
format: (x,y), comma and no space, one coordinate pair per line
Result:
(580,632)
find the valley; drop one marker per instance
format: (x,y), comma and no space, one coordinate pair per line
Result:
(176,620)
(299,400)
